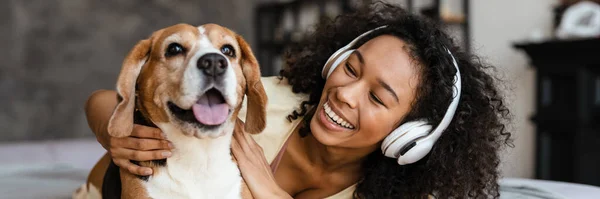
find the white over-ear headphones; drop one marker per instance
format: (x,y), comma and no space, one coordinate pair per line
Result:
(414,139)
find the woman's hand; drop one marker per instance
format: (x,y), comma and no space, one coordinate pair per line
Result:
(145,143)
(254,167)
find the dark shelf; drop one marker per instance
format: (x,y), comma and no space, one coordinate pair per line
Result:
(584,51)
(567,114)
(453,22)
(432,12)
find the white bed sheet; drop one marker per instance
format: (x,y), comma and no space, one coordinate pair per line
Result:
(546,189)
(46,169)
(54,169)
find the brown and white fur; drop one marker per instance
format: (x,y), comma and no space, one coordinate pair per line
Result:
(201,165)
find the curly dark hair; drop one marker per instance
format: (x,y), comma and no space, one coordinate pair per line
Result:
(464,161)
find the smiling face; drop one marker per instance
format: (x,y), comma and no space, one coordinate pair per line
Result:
(367,96)
(193,78)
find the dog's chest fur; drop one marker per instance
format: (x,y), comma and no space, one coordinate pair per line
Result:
(198,168)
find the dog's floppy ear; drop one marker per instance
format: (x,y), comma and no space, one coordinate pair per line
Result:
(121,121)
(257,98)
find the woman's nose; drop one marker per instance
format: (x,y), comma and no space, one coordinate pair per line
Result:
(348,95)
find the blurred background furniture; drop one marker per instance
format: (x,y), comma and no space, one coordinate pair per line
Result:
(567,114)
(281,23)
(568,109)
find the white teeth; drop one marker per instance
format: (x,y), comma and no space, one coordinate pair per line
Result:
(346,124)
(335,118)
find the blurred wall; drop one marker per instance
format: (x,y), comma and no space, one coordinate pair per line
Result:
(56,52)
(496,26)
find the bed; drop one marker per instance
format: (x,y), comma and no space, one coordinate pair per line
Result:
(46,169)
(54,169)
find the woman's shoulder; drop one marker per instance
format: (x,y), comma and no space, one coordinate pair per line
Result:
(279,91)
(281,101)
(280,97)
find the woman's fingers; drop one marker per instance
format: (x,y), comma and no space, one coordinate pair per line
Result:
(143,144)
(247,151)
(139,155)
(258,154)
(142,138)
(132,168)
(253,165)
(141,131)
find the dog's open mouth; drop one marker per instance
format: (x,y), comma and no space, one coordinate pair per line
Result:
(210,110)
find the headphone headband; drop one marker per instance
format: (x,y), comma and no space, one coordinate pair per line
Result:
(456,89)
(329,66)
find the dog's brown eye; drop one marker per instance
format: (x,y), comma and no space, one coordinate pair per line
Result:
(228,50)
(174,49)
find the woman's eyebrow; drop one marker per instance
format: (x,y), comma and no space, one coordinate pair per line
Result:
(360,57)
(381,82)
(388,88)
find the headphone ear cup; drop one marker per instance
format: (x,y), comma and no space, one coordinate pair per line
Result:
(417,151)
(407,133)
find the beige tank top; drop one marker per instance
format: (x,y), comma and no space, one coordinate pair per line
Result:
(282,101)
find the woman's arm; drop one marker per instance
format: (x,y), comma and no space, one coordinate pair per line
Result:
(98,109)
(254,167)
(145,143)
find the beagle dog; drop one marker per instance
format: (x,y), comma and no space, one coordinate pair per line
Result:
(189,82)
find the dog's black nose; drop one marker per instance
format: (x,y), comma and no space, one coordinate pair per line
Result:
(212,64)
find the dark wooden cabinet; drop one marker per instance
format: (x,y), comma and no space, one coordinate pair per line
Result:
(567,114)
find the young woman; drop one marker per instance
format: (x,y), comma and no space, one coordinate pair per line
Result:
(331,133)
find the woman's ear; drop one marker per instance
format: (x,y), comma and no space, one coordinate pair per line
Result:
(257,98)
(121,121)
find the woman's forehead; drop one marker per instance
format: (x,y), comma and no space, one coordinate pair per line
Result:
(386,57)
(386,45)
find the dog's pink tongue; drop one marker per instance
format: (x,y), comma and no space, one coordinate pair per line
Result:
(211,109)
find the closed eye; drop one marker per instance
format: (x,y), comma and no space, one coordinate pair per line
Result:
(350,70)
(376,99)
